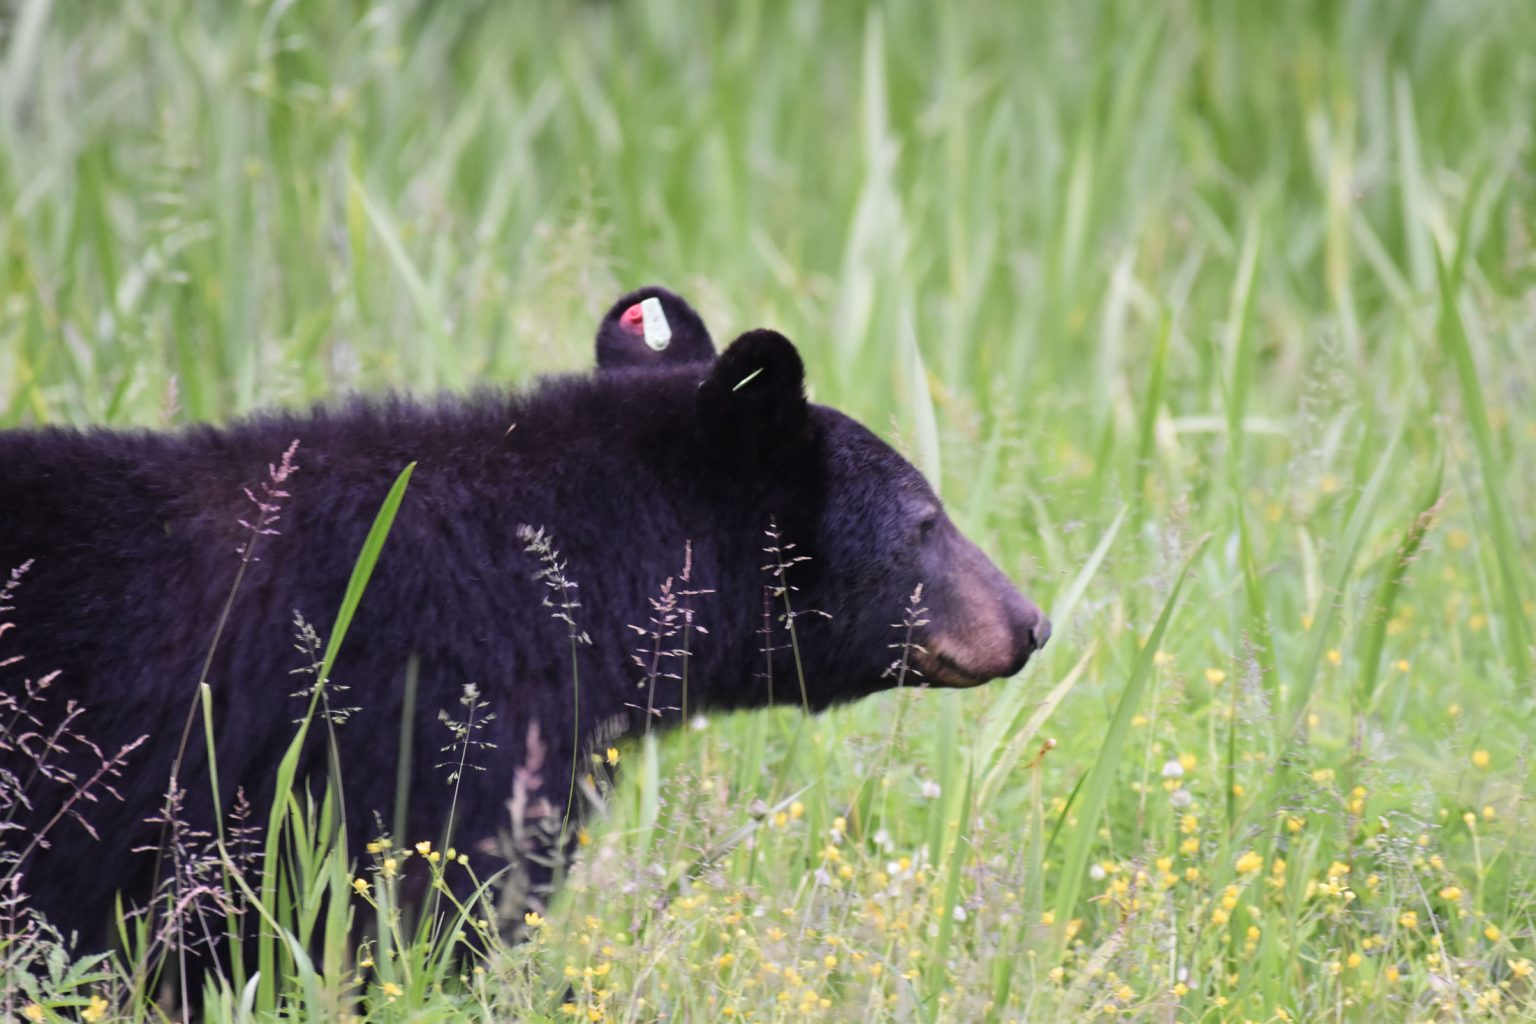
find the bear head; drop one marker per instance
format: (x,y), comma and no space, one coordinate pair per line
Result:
(866,530)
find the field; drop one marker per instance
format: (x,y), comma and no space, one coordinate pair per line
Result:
(1215,324)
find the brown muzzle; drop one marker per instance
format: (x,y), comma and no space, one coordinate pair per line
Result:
(980,626)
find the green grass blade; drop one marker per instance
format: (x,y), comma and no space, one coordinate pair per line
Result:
(1382,608)
(1301,686)
(1020,740)
(925,421)
(1151,403)
(406,750)
(650,790)
(1004,715)
(1095,792)
(1453,337)
(425,302)
(958,857)
(362,571)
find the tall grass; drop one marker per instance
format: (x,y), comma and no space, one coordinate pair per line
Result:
(1120,276)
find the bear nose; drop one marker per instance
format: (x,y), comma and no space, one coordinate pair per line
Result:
(1041,632)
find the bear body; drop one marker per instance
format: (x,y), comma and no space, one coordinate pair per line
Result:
(135,538)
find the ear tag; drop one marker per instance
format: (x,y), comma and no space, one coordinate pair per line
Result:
(658,333)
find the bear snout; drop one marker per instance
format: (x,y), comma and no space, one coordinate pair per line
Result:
(986,629)
(1030,628)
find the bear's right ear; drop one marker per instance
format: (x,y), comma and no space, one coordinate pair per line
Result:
(754,400)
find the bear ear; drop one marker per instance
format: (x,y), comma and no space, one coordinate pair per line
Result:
(652,327)
(753,402)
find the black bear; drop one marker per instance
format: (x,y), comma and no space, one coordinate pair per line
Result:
(650,327)
(537,528)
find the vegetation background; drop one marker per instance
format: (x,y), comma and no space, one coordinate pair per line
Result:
(1215,323)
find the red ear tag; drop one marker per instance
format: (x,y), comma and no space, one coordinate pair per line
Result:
(633,319)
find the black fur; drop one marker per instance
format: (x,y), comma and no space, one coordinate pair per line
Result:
(134,538)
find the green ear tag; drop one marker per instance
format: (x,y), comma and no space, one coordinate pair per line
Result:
(658,333)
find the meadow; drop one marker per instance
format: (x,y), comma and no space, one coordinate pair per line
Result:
(1215,324)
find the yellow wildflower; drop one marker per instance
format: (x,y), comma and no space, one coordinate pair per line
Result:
(1249,863)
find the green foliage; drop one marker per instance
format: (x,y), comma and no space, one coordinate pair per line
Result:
(1126,275)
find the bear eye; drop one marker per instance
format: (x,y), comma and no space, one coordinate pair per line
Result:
(926,527)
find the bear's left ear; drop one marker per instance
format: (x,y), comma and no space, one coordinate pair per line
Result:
(754,400)
(652,327)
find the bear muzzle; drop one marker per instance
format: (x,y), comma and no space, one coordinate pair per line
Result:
(985,630)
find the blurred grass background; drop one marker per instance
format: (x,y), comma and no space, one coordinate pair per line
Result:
(1118,275)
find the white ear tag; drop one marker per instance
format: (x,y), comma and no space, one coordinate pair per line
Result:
(658,333)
